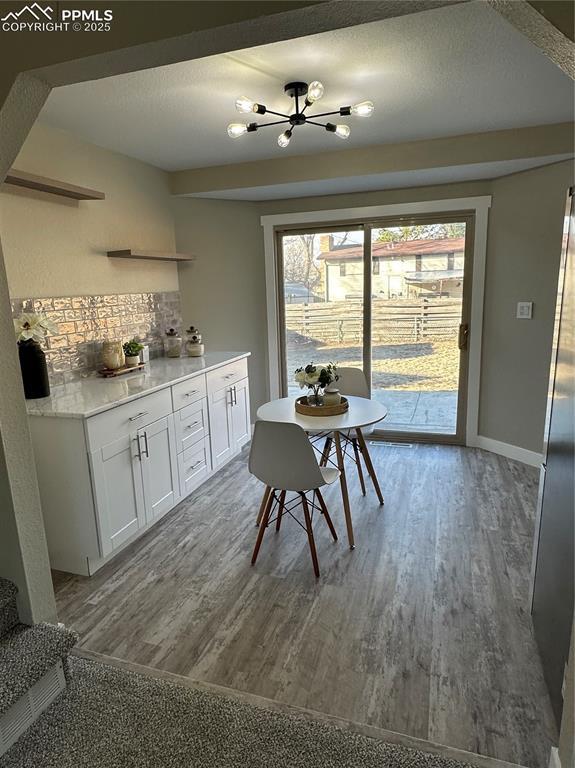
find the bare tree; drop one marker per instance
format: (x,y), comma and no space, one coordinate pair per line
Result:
(300,263)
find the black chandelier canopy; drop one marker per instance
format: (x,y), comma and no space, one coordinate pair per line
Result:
(304,96)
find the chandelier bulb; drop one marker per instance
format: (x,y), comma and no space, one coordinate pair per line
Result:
(284,138)
(245,105)
(363,109)
(314,91)
(235,130)
(342,131)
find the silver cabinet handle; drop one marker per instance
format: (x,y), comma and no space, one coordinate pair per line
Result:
(192,425)
(235,395)
(231,395)
(147,447)
(191,392)
(139,454)
(138,416)
(197,464)
(229,376)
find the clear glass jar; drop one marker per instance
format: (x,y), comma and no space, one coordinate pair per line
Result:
(173,346)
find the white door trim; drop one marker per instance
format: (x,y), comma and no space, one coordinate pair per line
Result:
(478,205)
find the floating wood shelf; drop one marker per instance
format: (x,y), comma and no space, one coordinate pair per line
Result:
(43,184)
(130,253)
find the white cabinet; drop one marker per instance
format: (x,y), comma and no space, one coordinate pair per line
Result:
(157,445)
(229,412)
(106,478)
(240,413)
(118,491)
(221,427)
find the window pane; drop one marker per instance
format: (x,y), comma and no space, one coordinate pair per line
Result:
(416,312)
(323,293)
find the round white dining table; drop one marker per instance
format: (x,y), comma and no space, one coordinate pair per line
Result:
(361,413)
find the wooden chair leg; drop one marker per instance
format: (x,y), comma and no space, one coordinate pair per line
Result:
(326,514)
(280,510)
(344,493)
(263,505)
(369,465)
(358,464)
(326,452)
(263,525)
(310,534)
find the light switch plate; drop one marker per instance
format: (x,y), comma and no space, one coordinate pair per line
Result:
(524,310)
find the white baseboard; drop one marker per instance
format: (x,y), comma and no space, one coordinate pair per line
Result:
(554,759)
(509,451)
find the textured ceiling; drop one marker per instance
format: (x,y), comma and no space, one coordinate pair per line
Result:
(445,72)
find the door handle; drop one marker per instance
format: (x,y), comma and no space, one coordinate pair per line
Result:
(139,454)
(197,464)
(146,448)
(192,425)
(190,393)
(231,396)
(235,395)
(138,416)
(463,335)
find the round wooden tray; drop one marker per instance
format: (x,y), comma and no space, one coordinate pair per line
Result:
(301,406)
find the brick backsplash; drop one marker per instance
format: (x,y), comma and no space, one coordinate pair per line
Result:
(85,321)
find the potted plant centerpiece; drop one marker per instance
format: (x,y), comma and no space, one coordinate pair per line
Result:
(31,331)
(316,378)
(132,351)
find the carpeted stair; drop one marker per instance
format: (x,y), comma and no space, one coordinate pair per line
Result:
(33,664)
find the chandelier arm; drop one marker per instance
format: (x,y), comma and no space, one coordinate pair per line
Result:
(279,114)
(325,114)
(312,122)
(276,122)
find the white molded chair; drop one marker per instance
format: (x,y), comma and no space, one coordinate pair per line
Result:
(352,381)
(282,457)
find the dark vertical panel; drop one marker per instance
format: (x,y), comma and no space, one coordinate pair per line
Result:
(553,585)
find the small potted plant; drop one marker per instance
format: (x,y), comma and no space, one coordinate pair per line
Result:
(173,343)
(132,351)
(31,331)
(316,379)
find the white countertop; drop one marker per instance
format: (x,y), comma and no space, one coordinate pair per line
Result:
(92,395)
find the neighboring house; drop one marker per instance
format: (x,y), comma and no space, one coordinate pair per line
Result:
(407,269)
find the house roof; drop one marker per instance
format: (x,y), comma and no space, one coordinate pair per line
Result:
(404,248)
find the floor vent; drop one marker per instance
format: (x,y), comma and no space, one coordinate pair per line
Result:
(30,706)
(390,445)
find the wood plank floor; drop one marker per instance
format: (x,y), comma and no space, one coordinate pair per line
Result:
(424,629)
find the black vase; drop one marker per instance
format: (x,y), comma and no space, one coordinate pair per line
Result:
(34,370)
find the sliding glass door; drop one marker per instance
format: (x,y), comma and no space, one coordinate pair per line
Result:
(390,297)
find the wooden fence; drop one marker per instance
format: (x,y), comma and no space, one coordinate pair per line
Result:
(341,322)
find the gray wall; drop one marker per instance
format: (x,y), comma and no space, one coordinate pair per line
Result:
(524,243)
(523,250)
(223,290)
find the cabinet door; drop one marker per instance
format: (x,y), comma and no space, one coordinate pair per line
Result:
(159,467)
(240,413)
(221,429)
(118,491)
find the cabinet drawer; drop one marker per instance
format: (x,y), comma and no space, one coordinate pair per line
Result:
(227,374)
(123,419)
(194,466)
(191,424)
(188,391)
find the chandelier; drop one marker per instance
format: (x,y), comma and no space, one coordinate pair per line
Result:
(297,91)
